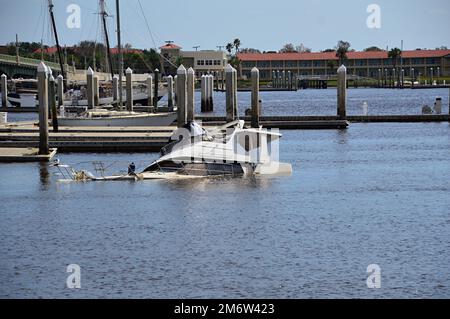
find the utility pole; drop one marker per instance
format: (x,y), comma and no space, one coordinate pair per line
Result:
(196,47)
(119,46)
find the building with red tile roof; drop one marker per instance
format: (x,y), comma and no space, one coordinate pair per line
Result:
(364,64)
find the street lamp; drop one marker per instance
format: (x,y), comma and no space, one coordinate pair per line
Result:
(393,77)
(379,77)
(403,77)
(385,77)
(412,76)
(432,74)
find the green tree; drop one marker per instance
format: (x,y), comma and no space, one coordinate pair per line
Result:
(342,49)
(229,47)
(288,48)
(395,55)
(237,44)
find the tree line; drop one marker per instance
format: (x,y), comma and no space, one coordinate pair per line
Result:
(90,54)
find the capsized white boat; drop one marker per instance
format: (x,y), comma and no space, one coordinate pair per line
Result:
(231,150)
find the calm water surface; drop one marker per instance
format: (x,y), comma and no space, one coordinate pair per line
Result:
(374,194)
(323,102)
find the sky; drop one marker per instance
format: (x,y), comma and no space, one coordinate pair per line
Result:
(263,24)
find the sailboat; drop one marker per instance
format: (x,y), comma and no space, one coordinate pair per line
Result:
(101,117)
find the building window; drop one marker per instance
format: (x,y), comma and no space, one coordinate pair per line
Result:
(374,62)
(248,64)
(291,64)
(305,64)
(277,64)
(263,64)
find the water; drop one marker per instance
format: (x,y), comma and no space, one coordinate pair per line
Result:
(323,102)
(373,194)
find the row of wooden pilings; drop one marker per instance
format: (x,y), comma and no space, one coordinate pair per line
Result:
(284,80)
(185,80)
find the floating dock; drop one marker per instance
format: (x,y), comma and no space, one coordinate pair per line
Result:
(14,154)
(25,135)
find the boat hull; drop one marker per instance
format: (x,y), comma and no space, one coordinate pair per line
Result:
(162,119)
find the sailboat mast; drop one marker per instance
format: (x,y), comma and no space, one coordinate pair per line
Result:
(105,30)
(52,16)
(119,47)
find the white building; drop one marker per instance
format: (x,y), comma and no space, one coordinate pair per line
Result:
(203,62)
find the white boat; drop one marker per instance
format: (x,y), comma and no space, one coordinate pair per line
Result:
(227,151)
(231,150)
(107,118)
(20,97)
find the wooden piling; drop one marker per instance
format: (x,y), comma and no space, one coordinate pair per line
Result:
(52,103)
(149,90)
(211,94)
(190,104)
(175,85)
(129,88)
(342,92)
(235,91)
(60,80)
(42,73)
(115,90)
(90,88)
(96,91)
(156,90)
(229,96)
(255,98)
(203,94)
(182,95)
(170,93)
(4,84)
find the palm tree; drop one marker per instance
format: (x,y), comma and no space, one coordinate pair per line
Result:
(237,44)
(342,49)
(229,47)
(395,54)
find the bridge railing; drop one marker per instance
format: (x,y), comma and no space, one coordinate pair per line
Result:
(27,61)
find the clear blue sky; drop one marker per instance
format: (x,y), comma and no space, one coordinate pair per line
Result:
(262,24)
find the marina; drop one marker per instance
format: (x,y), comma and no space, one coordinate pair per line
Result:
(145,156)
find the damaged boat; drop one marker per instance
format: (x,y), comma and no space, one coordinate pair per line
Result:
(194,152)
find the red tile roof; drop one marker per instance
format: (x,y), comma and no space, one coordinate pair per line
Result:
(170,46)
(51,50)
(332,55)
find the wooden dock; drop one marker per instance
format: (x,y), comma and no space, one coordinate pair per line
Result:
(14,154)
(25,135)
(89,139)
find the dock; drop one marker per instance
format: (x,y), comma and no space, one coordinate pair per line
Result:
(88,139)
(22,154)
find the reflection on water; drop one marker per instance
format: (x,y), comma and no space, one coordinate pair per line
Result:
(375,193)
(44,175)
(321,102)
